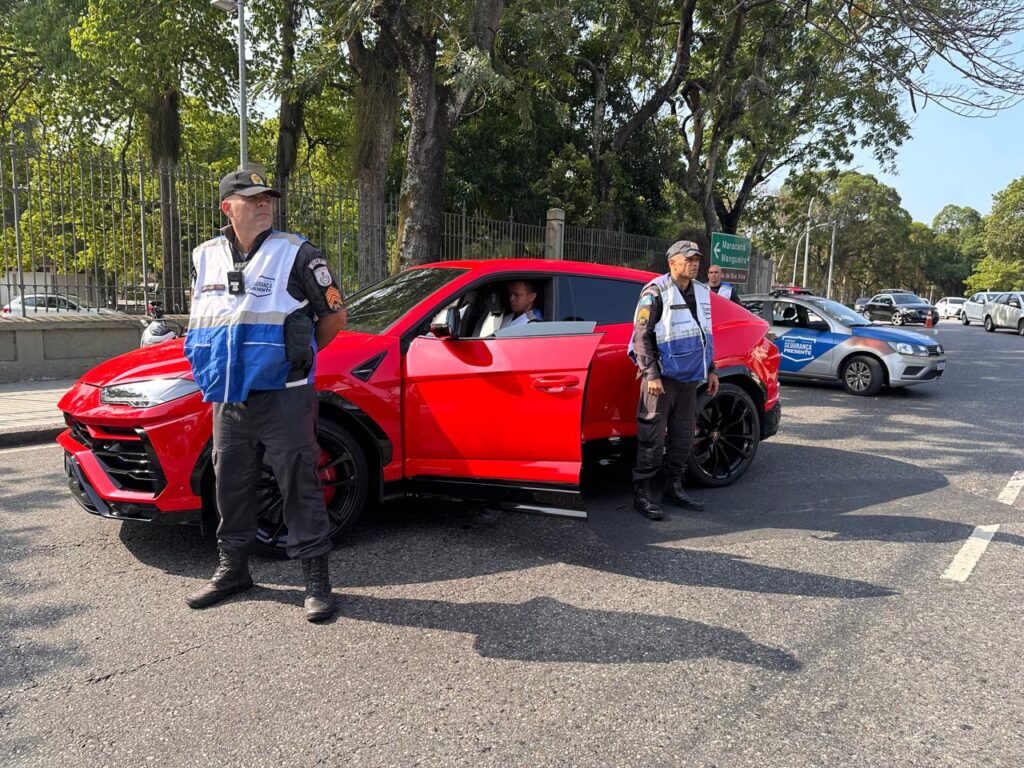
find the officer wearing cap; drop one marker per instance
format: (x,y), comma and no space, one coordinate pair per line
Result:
(673,350)
(723,289)
(263,303)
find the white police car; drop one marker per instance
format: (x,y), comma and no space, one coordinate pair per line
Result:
(824,340)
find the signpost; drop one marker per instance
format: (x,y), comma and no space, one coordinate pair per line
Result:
(732,254)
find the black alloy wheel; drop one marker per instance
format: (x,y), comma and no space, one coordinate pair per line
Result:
(862,375)
(344,478)
(728,431)
(989,325)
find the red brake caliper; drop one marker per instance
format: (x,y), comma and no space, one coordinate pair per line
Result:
(328,476)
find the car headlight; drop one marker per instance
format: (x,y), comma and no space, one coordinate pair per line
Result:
(146,394)
(908,349)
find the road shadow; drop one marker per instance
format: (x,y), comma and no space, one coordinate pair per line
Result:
(547,630)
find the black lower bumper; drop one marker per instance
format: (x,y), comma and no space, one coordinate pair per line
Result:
(90,501)
(770,422)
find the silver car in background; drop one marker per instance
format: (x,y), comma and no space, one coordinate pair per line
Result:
(974,308)
(1005,311)
(950,306)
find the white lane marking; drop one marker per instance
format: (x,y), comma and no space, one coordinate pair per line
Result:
(1012,489)
(970,553)
(29,448)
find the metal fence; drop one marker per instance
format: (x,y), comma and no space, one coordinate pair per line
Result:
(96,229)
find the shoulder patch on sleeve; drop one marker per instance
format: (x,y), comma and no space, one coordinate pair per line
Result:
(317,262)
(643,316)
(323,276)
(647,300)
(333,298)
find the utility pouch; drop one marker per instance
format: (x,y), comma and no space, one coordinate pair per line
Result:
(298,338)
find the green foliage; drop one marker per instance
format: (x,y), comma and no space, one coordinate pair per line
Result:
(1002,269)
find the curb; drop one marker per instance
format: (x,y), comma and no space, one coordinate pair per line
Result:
(32,436)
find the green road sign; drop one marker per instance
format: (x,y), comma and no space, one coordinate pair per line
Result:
(732,254)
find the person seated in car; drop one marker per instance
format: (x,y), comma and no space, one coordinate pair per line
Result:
(521,296)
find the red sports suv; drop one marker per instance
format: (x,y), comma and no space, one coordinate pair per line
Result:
(423,393)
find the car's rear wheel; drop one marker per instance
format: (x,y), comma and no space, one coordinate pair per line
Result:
(344,478)
(862,375)
(989,325)
(897,318)
(728,431)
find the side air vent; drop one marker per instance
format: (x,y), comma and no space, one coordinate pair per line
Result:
(364,371)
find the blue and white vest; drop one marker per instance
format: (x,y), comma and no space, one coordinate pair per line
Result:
(725,290)
(685,348)
(236,343)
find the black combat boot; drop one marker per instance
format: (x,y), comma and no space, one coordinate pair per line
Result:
(642,500)
(231,577)
(319,604)
(675,494)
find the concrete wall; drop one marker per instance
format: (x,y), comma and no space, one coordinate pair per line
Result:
(62,347)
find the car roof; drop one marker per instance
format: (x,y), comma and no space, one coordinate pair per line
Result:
(587,268)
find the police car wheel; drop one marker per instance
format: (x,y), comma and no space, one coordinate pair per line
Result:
(862,375)
(344,478)
(727,435)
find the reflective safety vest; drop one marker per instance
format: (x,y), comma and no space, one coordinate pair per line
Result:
(725,290)
(236,343)
(685,348)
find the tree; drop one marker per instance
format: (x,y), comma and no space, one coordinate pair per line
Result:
(445,52)
(1002,268)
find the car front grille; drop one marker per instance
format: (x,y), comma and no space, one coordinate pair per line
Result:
(125,454)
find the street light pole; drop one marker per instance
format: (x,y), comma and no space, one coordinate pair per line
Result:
(831,258)
(229,6)
(807,242)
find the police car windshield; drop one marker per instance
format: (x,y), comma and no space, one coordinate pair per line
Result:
(839,312)
(375,308)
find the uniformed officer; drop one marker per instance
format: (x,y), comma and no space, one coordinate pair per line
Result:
(263,303)
(672,347)
(725,290)
(521,296)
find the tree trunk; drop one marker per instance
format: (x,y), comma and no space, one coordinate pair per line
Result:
(377,100)
(292,115)
(164,138)
(421,207)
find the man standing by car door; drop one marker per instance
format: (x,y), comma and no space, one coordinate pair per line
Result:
(673,349)
(725,290)
(262,303)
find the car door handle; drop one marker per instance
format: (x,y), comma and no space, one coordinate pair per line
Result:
(555,384)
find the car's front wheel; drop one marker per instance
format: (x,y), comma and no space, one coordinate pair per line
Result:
(989,325)
(344,478)
(897,318)
(964,318)
(862,375)
(867,315)
(1020,327)
(728,431)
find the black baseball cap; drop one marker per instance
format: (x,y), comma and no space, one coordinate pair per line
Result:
(246,184)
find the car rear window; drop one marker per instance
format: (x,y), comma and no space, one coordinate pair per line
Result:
(377,307)
(606,301)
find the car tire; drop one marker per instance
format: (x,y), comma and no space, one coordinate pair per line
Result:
(964,319)
(989,325)
(344,476)
(728,432)
(1020,327)
(867,316)
(862,375)
(897,318)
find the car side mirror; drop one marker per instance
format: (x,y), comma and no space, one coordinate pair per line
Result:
(449,329)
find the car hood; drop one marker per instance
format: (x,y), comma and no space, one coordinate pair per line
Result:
(167,360)
(888,334)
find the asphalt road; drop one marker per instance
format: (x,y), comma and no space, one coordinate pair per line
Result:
(802,621)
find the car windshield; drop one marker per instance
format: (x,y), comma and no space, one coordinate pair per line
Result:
(375,308)
(839,312)
(955,301)
(907,298)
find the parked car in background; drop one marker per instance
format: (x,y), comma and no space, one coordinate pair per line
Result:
(825,340)
(861,304)
(424,393)
(974,308)
(950,306)
(1005,311)
(899,308)
(43,303)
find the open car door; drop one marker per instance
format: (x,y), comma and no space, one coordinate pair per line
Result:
(499,418)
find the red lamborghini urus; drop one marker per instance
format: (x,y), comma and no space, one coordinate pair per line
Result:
(423,393)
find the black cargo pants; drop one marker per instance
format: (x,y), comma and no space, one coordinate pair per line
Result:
(279,424)
(670,414)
